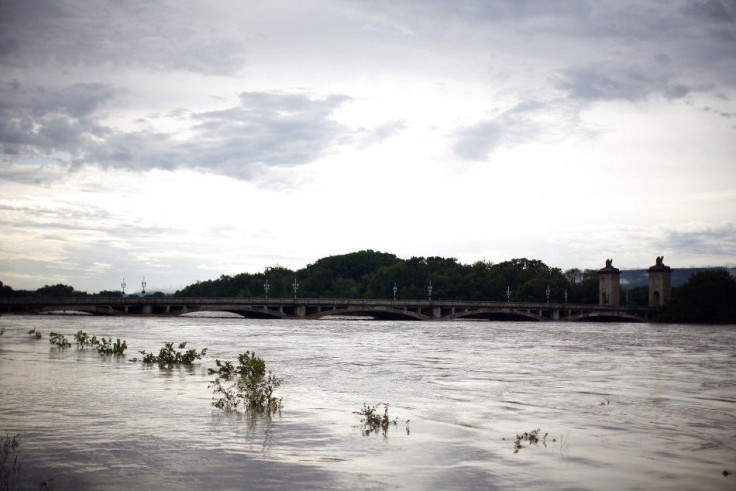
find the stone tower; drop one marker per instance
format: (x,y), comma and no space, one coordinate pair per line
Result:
(609,285)
(660,283)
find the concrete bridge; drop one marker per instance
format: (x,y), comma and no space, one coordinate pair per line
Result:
(316,308)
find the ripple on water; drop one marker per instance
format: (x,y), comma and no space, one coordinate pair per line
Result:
(629,406)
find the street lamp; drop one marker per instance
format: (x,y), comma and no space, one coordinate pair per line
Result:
(296,287)
(396,289)
(143,286)
(429,290)
(508,294)
(565,295)
(266,286)
(122,285)
(547,291)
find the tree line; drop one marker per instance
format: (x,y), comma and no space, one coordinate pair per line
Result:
(372,275)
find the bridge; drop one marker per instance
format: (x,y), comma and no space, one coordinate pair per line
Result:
(317,308)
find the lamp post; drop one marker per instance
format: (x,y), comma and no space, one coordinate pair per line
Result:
(396,289)
(266,286)
(547,291)
(122,286)
(565,295)
(429,290)
(296,287)
(508,294)
(143,286)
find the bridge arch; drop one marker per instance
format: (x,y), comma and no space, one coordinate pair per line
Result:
(606,317)
(497,315)
(243,312)
(376,313)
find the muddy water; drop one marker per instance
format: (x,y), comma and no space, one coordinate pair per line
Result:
(624,406)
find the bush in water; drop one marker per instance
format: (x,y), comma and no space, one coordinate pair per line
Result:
(253,390)
(168,356)
(59,340)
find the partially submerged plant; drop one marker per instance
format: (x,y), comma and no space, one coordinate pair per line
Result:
(168,356)
(34,333)
(59,340)
(373,421)
(83,339)
(249,365)
(105,347)
(252,391)
(532,438)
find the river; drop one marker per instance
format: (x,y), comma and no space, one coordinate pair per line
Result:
(624,406)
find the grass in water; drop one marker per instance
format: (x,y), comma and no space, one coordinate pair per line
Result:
(373,422)
(531,438)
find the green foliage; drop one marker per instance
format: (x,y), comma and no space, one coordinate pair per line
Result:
(82,339)
(105,347)
(253,390)
(34,333)
(373,421)
(168,356)
(59,290)
(706,297)
(59,340)
(5,290)
(109,294)
(249,366)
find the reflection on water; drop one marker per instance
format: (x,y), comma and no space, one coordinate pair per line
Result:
(624,405)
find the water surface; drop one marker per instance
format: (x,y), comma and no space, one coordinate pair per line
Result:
(624,406)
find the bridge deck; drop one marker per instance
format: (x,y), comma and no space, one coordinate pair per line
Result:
(314,308)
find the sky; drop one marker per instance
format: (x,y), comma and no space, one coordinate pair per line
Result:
(181,140)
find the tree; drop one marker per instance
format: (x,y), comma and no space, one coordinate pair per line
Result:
(5,290)
(59,290)
(707,297)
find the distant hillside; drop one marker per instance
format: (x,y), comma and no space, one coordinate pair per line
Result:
(634,278)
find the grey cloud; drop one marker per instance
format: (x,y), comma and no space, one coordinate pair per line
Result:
(155,34)
(712,10)
(514,126)
(375,135)
(264,129)
(716,240)
(34,121)
(613,82)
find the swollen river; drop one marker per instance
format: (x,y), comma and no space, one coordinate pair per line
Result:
(623,406)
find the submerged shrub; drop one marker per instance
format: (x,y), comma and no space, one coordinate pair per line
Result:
(105,347)
(532,438)
(34,333)
(373,421)
(253,391)
(59,340)
(168,356)
(83,339)
(249,365)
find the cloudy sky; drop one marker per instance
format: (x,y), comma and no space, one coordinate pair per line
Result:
(182,140)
